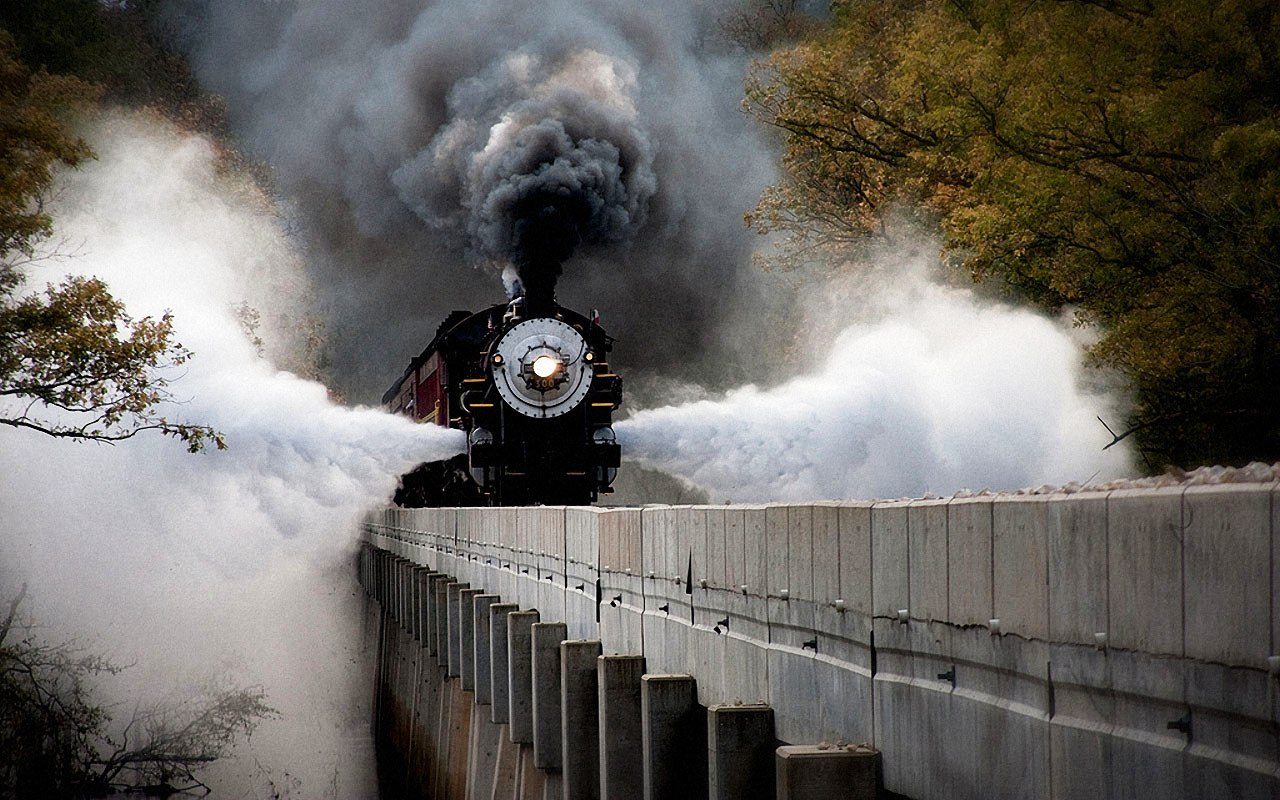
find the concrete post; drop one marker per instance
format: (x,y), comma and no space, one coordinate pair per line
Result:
(740,753)
(440,618)
(499,662)
(482,658)
(520,675)
(580,719)
(419,582)
(454,592)
(674,733)
(807,772)
(467,637)
(401,599)
(621,741)
(547,637)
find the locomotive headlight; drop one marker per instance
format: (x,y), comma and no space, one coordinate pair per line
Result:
(545,366)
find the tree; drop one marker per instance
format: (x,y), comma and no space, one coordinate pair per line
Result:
(57,741)
(73,363)
(1118,157)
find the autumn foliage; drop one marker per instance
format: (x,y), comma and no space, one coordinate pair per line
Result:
(73,363)
(1118,158)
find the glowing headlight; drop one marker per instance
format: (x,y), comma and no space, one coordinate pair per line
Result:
(545,366)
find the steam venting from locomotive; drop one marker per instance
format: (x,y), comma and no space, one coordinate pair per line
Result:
(546,154)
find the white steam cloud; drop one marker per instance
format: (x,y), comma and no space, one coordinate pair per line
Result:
(232,565)
(937,393)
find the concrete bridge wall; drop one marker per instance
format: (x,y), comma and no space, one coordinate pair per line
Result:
(1096,645)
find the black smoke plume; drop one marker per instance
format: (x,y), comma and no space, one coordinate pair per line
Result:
(539,168)
(418,140)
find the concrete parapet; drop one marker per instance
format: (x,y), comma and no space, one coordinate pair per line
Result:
(1064,645)
(580,719)
(740,752)
(621,737)
(826,773)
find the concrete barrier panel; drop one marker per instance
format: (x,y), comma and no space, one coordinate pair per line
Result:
(622,585)
(890,560)
(1144,561)
(746,656)
(927,537)
(660,585)
(1081,724)
(1146,754)
(549,557)
(1077,528)
(1227,585)
(969,556)
(582,547)
(793,641)
(716,572)
(1020,548)
(855,558)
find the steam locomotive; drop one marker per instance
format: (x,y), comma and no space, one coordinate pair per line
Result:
(530,384)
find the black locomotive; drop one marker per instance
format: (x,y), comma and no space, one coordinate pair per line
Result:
(531,386)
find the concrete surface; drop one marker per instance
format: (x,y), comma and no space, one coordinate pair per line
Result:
(1092,645)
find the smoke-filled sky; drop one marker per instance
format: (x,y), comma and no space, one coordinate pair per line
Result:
(407,133)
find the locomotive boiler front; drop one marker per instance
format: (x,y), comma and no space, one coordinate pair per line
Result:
(535,396)
(541,368)
(540,421)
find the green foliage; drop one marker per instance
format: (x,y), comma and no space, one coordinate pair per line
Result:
(58,741)
(1119,157)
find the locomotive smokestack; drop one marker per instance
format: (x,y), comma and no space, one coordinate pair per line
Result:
(545,233)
